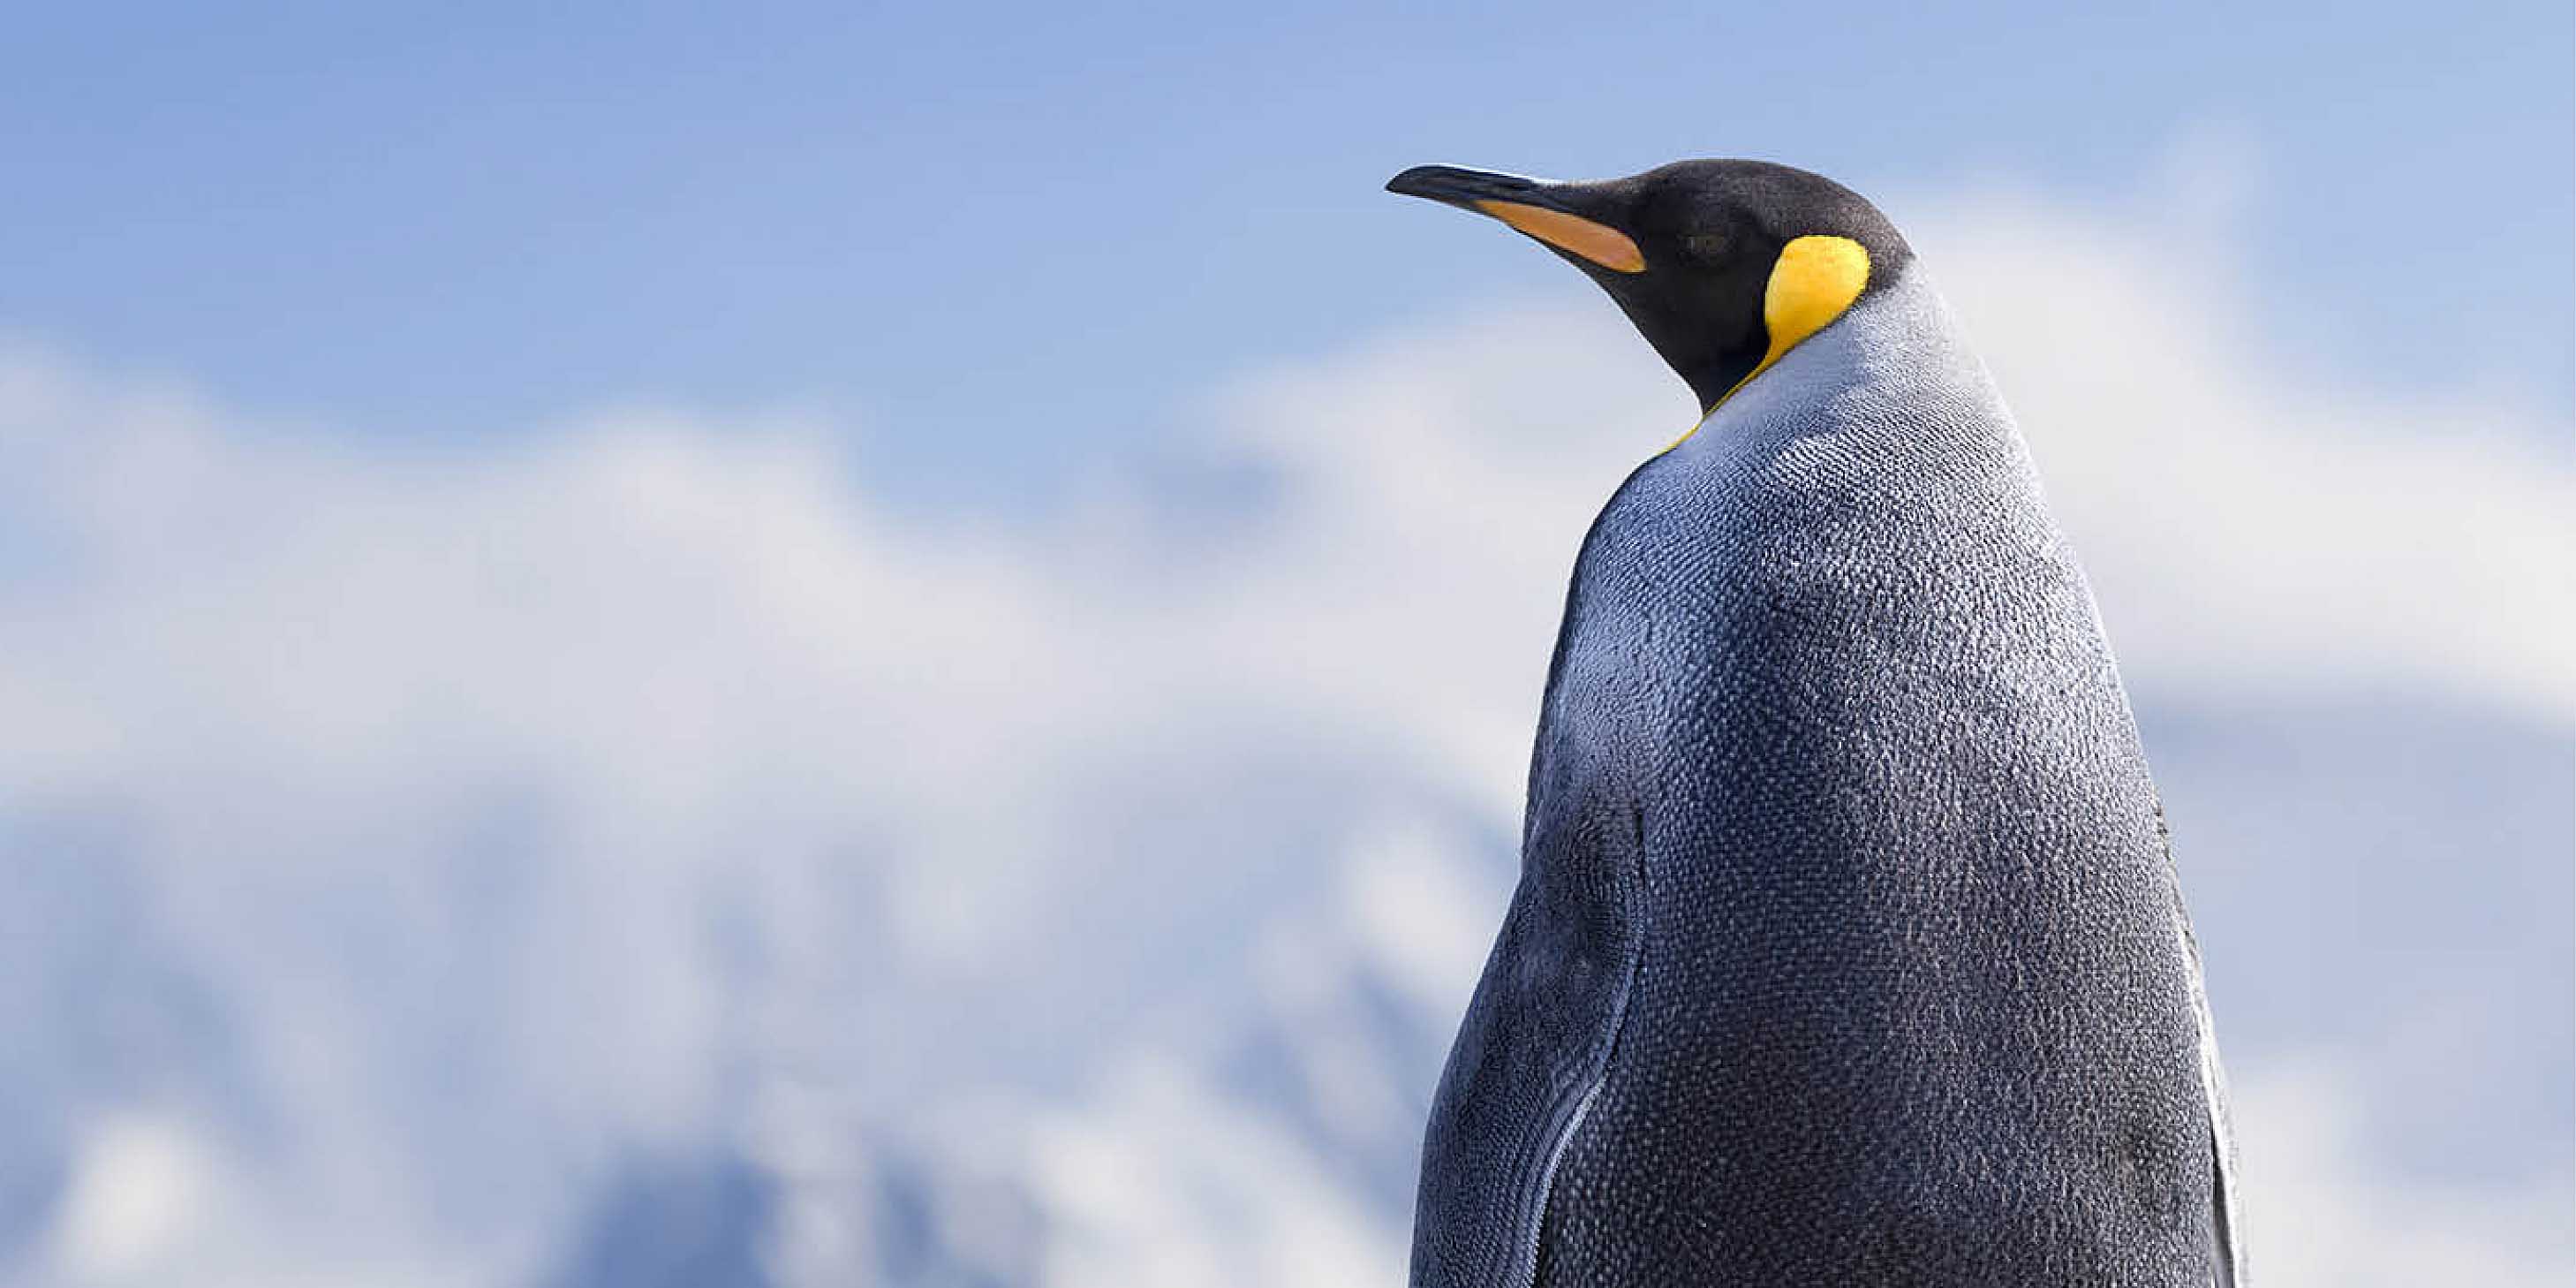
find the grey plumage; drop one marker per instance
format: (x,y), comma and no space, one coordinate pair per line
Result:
(1847,949)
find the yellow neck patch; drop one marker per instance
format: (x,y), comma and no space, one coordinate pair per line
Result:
(1813,282)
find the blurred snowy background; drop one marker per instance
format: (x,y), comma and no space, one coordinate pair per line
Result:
(871,648)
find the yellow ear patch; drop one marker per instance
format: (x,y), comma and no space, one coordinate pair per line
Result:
(1573,234)
(1813,282)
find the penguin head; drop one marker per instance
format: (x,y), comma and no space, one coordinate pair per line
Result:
(1724,265)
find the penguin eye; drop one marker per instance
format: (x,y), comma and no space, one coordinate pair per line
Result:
(1708,247)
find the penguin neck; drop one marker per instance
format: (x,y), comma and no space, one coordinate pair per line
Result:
(1710,365)
(1901,333)
(1712,379)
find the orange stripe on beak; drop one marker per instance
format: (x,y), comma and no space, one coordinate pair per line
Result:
(1573,234)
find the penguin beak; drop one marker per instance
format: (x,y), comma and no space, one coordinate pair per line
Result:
(1536,207)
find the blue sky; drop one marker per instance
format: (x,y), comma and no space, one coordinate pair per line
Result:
(897,647)
(462,221)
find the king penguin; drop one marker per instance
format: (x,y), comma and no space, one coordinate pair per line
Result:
(1847,948)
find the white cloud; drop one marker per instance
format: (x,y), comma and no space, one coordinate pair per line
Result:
(138,1186)
(2319,1211)
(2254,532)
(519,806)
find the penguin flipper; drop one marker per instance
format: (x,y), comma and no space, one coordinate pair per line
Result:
(1532,1048)
(2227,1258)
